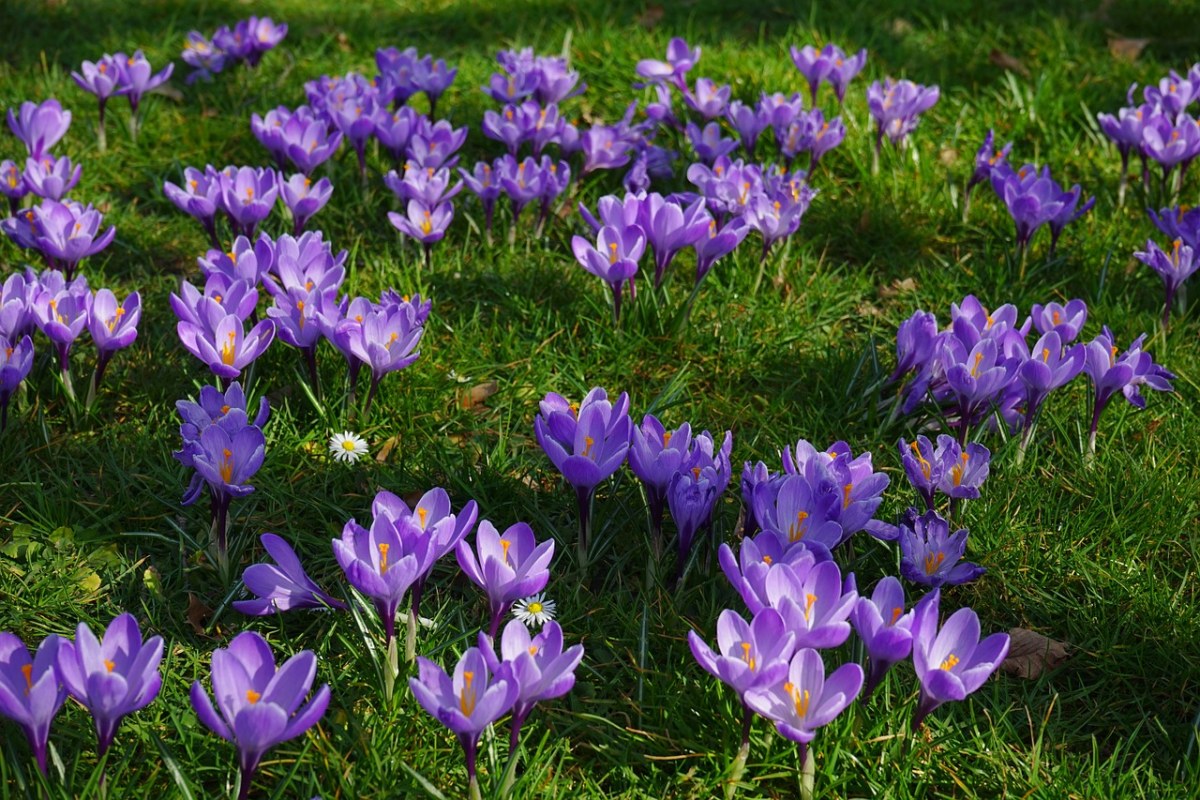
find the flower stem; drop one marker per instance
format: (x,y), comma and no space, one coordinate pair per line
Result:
(583,498)
(410,642)
(739,763)
(808,772)
(390,670)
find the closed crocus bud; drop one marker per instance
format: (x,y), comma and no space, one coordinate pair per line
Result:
(39,126)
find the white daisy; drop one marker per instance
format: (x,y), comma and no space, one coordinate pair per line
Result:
(534,611)
(348,447)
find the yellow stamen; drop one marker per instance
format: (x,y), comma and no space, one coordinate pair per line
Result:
(1056,317)
(229,350)
(896,612)
(109,665)
(533,649)
(750,662)
(467,698)
(226,468)
(926,467)
(504,545)
(809,601)
(426,225)
(383,554)
(975,368)
(422,513)
(767,560)
(27,671)
(252,696)
(800,699)
(612,252)
(932,562)
(846,494)
(587,446)
(949,663)
(666,438)
(797,529)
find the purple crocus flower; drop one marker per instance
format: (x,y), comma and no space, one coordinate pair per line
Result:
(430,518)
(948,468)
(692,497)
(1174,268)
(39,126)
(1126,374)
(708,142)
(915,340)
(987,161)
(806,700)
(433,78)
(199,197)
(708,99)
(1066,320)
(16,359)
(614,258)
(950,662)
(1070,212)
(538,664)
(139,78)
(1179,222)
(655,455)
(113,327)
(604,147)
(750,655)
(260,706)
(815,65)
(101,79)
(467,703)
(304,198)
(756,557)
(385,340)
(884,627)
(1125,131)
(435,144)
(51,178)
(717,243)
(1033,199)
(113,676)
(932,556)
(62,316)
(749,122)
(12,185)
(31,691)
(482,181)
(382,563)
(247,196)
(203,56)
(282,586)
(813,601)
(1170,141)
(226,460)
(221,341)
(68,232)
(587,443)
(795,512)
(507,566)
(976,377)
(670,228)
(426,225)
(1048,367)
(897,107)
(680,59)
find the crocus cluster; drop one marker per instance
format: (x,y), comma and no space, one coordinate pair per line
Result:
(682,472)
(399,550)
(247,41)
(1159,129)
(816,502)
(406,73)
(245,197)
(225,448)
(800,607)
(121,74)
(487,685)
(1033,199)
(525,182)
(111,676)
(356,109)
(64,233)
(61,310)
(982,368)
(829,65)
(897,107)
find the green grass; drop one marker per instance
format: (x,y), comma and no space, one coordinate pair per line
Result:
(1102,558)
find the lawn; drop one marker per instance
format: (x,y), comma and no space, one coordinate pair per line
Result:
(1100,555)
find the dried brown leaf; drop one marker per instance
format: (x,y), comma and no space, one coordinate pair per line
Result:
(386,448)
(1030,653)
(898,287)
(1126,49)
(477,394)
(197,614)
(1007,61)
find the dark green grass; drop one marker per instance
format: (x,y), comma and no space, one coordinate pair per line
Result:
(1102,558)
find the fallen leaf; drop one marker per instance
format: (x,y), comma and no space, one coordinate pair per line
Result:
(901,27)
(475,396)
(1030,654)
(168,91)
(898,287)
(1004,60)
(651,16)
(197,614)
(948,156)
(385,449)
(343,41)
(1126,49)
